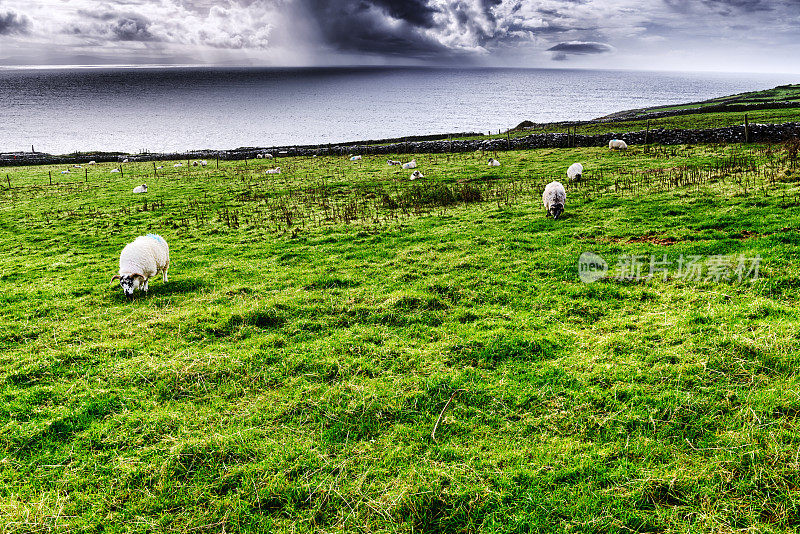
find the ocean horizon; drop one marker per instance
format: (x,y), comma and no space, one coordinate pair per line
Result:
(165,109)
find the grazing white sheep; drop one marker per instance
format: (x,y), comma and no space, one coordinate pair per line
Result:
(493,163)
(276,170)
(77,166)
(355,158)
(160,167)
(65,172)
(259,156)
(617,144)
(141,260)
(267,156)
(195,163)
(415,175)
(392,162)
(93,162)
(203,163)
(178,165)
(554,199)
(125,160)
(140,188)
(575,172)
(411,164)
(114,170)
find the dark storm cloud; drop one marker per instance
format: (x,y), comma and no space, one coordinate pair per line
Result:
(11,22)
(580,48)
(416,12)
(562,51)
(383,27)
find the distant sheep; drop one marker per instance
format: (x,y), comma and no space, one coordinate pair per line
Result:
(160,167)
(276,170)
(259,156)
(554,199)
(114,170)
(178,165)
(125,160)
(93,162)
(140,188)
(392,162)
(77,166)
(493,163)
(575,172)
(617,144)
(415,175)
(65,172)
(203,163)
(267,156)
(410,165)
(141,260)
(195,163)
(355,158)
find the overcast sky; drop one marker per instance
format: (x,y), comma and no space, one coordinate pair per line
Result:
(719,35)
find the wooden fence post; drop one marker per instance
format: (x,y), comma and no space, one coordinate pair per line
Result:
(746,129)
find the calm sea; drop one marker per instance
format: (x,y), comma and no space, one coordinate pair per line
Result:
(133,109)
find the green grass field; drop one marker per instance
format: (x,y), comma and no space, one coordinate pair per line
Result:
(289,376)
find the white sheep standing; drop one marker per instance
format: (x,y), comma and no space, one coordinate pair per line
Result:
(617,144)
(411,164)
(259,156)
(575,172)
(415,175)
(493,163)
(141,260)
(554,199)
(267,156)
(276,170)
(203,163)
(140,188)
(125,160)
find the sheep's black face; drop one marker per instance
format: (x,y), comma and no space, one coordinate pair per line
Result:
(129,284)
(556,210)
(577,177)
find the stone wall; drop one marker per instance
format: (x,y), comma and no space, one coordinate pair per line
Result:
(759,133)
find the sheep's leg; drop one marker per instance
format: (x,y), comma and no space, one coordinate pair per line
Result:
(165,273)
(144,287)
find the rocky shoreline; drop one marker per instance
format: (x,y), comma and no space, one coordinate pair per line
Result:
(758,133)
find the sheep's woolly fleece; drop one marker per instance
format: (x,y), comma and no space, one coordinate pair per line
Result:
(554,196)
(146,255)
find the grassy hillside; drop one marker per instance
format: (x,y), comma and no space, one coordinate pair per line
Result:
(289,376)
(718,117)
(782,93)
